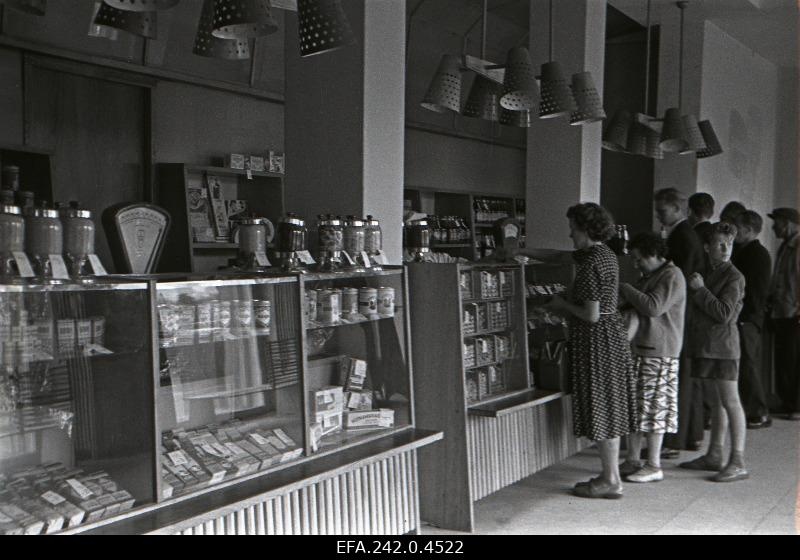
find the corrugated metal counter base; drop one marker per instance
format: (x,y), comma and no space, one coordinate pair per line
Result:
(379,498)
(506,449)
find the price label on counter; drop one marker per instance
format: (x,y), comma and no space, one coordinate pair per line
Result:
(23,264)
(305,257)
(381,258)
(262,260)
(59,267)
(348,258)
(97,266)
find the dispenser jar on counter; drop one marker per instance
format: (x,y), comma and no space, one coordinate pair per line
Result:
(79,237)
(12,239)
(44,236)
(330,236)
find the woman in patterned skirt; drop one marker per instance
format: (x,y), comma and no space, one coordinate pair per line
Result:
(659,300)
(603,381)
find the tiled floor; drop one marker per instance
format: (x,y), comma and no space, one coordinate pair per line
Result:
(684,503)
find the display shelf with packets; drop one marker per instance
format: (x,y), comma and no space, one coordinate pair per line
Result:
(539,290)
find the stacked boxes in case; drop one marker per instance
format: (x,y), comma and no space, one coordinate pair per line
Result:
(465,284)
(497,315)
(49,498)
(205,456)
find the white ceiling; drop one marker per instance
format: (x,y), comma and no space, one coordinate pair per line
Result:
(768,27)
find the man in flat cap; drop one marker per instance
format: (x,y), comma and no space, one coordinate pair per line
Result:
(784,310)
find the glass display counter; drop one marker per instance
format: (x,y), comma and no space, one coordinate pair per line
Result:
(76,406)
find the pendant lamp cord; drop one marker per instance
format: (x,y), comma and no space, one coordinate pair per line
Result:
(483,29)
(647,64)
(551,31)
(682,6)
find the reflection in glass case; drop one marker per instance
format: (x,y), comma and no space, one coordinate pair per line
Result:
(357,374)
(76,407)
(230,392)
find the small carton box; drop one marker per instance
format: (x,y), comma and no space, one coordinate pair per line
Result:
(67,337)
(235,161)
(353,373)
(372,419)
(21,518)
(331,422)
(328,399)
(124,499)
(257,163)
(359,400)
(83,328)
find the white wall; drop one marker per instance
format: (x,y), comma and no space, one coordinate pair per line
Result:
(739,96)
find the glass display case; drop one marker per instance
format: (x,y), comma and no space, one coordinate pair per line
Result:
(76,404)
(229,397)
(357,375)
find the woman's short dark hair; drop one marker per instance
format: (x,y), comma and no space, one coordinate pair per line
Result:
(592,219)
(720,228)
(649,244)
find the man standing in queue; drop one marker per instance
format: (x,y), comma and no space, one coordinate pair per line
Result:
(685,250)
(784,310)
(755,264)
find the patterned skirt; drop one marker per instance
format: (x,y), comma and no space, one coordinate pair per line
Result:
(657,394)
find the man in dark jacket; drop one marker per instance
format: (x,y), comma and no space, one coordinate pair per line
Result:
(686,251)
(701,210)
(754,262)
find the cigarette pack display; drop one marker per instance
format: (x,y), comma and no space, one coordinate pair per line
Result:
(328,399)
(490,284)
(181,472)
(53,520)
(99,330)
(124,499)
(45,338)
(73,515)
(28,523)
(469,353)
(66,336)
(94,510)
(110,505)
(264,459)
(84,330)
(331,422)
(359,400)
(353,373)
(465,284)
(372,419)
(9,527)
(284,437)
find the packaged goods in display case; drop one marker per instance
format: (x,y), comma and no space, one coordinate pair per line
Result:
(76,405)
(358,376)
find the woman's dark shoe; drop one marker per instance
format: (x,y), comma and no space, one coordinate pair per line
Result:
(758,423)
(627,468)
(596,490)
(731,473)
(702,463)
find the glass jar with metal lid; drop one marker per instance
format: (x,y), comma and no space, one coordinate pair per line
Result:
(330,234)
(12,238)
(418,236)
(354,236)
(44,236)
(253,235)
(291,234)
(374,236)
(79,236)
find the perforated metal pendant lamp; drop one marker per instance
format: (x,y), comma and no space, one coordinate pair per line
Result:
(557,100)
(713,147)
(672,135)
(590,108)
(444,93)
(143,24)
(243,19)
(692,135)
(34,7)
(520,91)
(484,100)
(205,44)
(323,26)
(616,136)
(141,5)
(521,119)
(637,138)
(654,150)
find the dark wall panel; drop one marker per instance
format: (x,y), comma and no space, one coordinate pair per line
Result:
(95,128)
(195,125)
(11,97)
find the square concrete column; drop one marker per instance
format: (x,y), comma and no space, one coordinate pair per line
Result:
(563,160)
(345,121)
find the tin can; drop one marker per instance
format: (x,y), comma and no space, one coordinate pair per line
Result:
(222,319)
(349,302)
(368,301)
(83,328)
(66,336)
(329,307)
(386,302)
(99,330)
(242,313)
(263,313)
(311,305)
(205,321)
